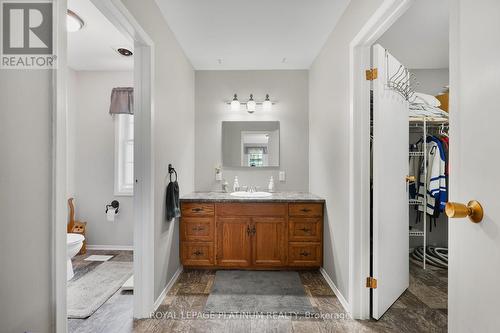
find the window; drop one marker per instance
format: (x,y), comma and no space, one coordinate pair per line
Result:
(124,154)
(256,156)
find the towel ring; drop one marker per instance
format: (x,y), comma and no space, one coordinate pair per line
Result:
(171,171)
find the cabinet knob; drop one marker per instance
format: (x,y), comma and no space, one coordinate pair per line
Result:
(305,210)
(305,230)
(304,253)
(197,253)
(197,209)
(198,228)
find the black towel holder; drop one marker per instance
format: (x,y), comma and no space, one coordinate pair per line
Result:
(171,170)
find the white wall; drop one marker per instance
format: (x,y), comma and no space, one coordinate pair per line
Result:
(432,81)
(25,200)
(289,88)
(329,137)
(91,148)
(173,130)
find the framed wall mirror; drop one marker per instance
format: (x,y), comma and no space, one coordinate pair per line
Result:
(251,144)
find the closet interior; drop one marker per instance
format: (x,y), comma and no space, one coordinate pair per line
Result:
(428,184)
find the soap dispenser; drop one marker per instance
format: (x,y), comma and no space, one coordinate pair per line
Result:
(236,185)
(270,187)
(225,186)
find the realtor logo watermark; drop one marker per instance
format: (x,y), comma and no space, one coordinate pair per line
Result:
(27,37)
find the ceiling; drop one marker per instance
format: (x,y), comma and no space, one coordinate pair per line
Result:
(257,34)
(420,38)
(94,46)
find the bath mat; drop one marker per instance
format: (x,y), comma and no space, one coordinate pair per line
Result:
(258,292)
(89,292)
(98,257)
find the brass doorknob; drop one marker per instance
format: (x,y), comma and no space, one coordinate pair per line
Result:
(410,179)
(473,210)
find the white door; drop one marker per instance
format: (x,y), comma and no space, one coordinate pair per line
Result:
(390,197)
(474,249)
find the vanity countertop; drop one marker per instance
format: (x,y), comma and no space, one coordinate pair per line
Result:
(275,197)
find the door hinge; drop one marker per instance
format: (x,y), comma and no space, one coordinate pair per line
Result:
(371,282)
(371,74)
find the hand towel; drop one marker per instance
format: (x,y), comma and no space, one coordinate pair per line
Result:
(172,201)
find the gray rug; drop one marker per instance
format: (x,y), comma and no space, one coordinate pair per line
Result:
(258,292)
(88,293)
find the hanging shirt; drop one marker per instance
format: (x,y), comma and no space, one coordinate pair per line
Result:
(437,194)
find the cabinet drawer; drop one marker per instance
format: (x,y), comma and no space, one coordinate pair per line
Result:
(197,229)
(251,209)
(304,229)
(197,209)
(304,254)
(198,253)
(305,209)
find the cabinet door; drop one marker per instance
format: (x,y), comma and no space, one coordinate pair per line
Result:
(268,242)
(233,242)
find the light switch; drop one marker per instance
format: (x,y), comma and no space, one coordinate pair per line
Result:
(282,176)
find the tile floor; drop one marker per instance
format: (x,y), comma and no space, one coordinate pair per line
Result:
(422,308)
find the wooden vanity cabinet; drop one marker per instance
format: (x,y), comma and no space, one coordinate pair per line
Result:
(251,235)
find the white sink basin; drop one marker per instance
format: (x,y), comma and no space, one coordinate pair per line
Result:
(243,194)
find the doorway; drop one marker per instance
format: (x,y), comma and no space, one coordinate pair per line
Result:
(361,264)
(409,143)
(100,173)
(142,206)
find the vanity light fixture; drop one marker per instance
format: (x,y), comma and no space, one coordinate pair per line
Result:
(267,105)
(251,105)
(235,104)
(73,21)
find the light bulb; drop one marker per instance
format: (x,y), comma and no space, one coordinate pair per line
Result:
(251,105)
(235,104)
(73,21)
(267,105)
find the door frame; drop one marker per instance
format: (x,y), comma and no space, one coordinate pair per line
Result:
(359,151)
(122,19)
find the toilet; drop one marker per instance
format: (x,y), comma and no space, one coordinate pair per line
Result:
(74,243)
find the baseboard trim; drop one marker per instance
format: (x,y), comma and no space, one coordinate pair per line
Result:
(111,247)
(169,285)
(336,290)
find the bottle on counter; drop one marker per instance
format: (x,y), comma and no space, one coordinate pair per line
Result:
(270,186)
(225,186)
